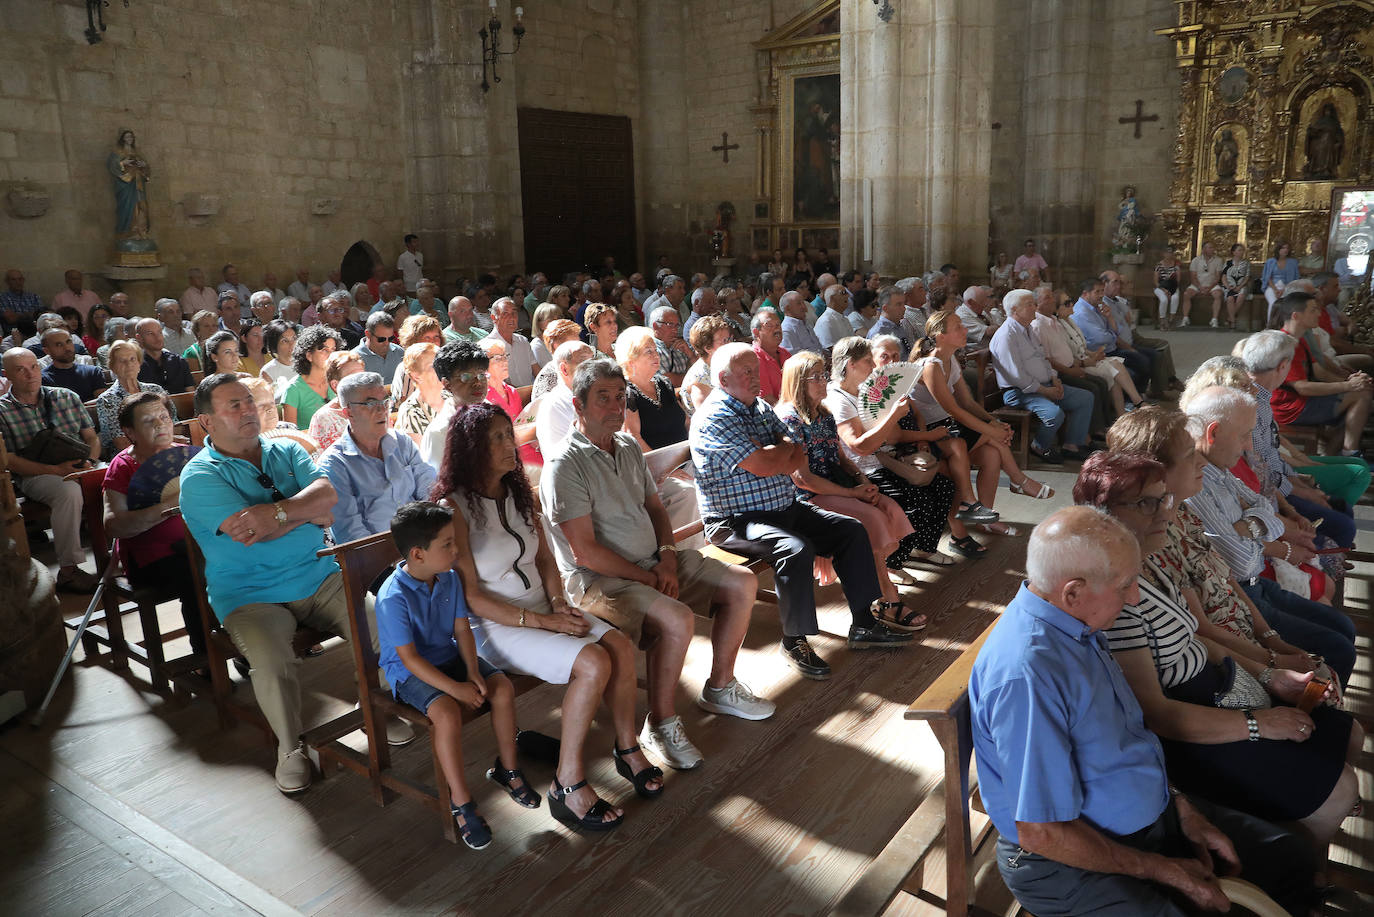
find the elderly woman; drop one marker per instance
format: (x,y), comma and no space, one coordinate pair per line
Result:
(523,623)
(1235,281)
(887,348)
(561,296)
(627,311)
(557,333)
(974,437)
(500,392)
(427,396)
(329,422)
(707,335)
(362,303)
(417,329)
(1230,730)
(926,504)
(253,352)
(309,391)
(544,315)
(653,415)
(1111,370)
(126,357)
(835,483)
(279,337)
(116,329)
(602,329)
(426,303)
(1050,327)
(734,308)
(221,353)
(203,324)
(152,549)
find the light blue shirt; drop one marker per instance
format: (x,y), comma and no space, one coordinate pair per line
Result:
(215,487)
(1018,359)
(370,489)
(1121,310)
(383,366)
(796,337)
(409,612)
(1057,731)
(1095,329)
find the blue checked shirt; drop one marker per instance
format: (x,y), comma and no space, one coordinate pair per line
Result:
(1265,439)
(725,431)
(22,303)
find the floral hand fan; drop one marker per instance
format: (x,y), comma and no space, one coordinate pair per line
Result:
(147,483)
(882,388)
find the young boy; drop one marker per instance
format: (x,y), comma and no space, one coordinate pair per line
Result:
(430,659)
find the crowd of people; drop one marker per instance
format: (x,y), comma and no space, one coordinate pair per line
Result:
(504,441)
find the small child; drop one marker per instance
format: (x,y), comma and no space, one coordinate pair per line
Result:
(430,659)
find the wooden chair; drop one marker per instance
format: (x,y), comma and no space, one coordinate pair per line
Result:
(1305,436)
(120,598)
(362,561)
(990,398)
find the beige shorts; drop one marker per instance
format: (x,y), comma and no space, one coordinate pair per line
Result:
(624,602)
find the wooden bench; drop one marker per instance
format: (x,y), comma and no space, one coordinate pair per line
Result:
(991,400)
(362,561)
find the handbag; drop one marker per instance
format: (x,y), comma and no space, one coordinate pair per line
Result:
(50,446)
(1239,689)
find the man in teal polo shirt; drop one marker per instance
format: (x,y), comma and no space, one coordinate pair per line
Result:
(258,508)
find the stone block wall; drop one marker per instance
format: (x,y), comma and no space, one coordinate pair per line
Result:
(266,105)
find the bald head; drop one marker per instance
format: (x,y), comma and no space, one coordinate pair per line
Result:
(1079,543)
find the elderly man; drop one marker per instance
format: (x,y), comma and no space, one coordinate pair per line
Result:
(1100,330)
(766,330)
(411,264)
(555,414)
(334,314)
(704,303)
(160,365)
(64,372)
(1335,324)
(1073,779)
(333,283)
(1161,354)
(833,325)
(76,296)
(460,322)
(379,350)
(505,315)
(197,297)
(315,301)
(176,331)
(1312,395)
(461,367)
(119,305)
(300,287)
(673,293)
(258,508)
(675,356)
(18,308)
(269,286)
(1029,382)
(974,312)
(229,280)
(262,307)
(27,409)
(744,461)
(1268,356)
(1244,528)
(1205,280)
(796,336)
(614,544)
(373,468)
(892,306)
(915,311)
(1073,371)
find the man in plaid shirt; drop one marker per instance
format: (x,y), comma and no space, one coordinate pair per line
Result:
(28,407)
(749,505)
(17,308)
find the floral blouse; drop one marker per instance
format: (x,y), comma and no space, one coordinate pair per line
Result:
(820,437)
(107,413)
(1188,560)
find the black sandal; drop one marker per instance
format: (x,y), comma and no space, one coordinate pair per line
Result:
(472,828)
(967,547)
(641,779)
(592,821)
(504,778)
(903,622)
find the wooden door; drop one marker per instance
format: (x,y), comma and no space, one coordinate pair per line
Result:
(578,190)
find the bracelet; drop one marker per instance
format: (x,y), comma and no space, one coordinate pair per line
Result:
(1273,659)
(1252,725)
(1287,550)
(1266,677)
(1269,634)
(522,617)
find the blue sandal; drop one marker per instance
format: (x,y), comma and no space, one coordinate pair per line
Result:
(506,779)
(471,826)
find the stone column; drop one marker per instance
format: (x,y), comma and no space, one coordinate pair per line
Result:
(664,89)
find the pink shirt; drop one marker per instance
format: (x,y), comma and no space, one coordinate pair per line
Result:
(507,399)
(81,303)
(154,544)
(1030,263)
(1052,339)
(193,300)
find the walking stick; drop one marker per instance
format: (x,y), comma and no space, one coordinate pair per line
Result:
(37,719)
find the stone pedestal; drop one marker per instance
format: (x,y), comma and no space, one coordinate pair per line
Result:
(138,282)
(723,266)
(1124,258)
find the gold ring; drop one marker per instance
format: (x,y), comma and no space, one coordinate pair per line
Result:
(251,532)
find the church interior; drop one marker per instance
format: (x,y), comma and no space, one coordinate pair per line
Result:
(886,137)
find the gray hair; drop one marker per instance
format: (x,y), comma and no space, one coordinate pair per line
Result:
(50,320)
(114,328)
(885,340)
(1015,299)
(930,277)
(1265,351)
(567,351)
(760,317)
(340,297)
(1043,289)
(502,303)
(698,294)
(669,281)
(725,355)
(166,301)
(1074,543)
(830,292)
(591,372)
(1216,404)
(350,384)
(657,315)
(766,281)
(846,351)
(258,297)
(1301,285)
(907,284)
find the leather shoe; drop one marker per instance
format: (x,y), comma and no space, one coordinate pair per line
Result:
(1049,456)
(876,636)
(804,659)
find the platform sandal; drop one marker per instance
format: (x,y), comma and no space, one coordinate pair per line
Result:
(641,779)
(592,821)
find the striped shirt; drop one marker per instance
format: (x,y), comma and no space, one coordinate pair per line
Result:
(1161,623)
(1224,501)
(1265,440)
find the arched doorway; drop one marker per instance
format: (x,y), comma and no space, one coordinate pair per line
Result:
(357,263)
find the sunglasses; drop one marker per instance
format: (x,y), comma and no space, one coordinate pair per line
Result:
(267,483)
(385,340)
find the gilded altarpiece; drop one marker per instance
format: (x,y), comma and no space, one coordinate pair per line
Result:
(797,194)
(1276,111)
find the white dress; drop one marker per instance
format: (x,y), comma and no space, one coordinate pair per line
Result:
(503,549)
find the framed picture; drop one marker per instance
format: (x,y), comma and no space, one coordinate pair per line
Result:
(1351,233)
(761,210)
(810,160)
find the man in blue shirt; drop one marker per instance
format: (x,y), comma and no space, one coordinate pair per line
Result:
(379,350)
(1071,776)
(258,509)
(749,505)
(64,372)
(1100,329)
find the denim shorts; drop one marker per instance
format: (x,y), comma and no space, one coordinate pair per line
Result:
(420,694)
(1320,410)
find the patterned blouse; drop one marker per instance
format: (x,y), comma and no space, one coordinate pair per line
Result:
(107,413)
(1187,559)
(820,437)
(414,415)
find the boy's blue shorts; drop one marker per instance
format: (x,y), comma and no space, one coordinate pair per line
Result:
(420,694)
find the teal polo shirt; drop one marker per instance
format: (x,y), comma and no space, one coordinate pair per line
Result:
(213,488)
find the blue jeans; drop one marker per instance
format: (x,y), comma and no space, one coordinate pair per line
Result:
(1336,525)
(1139,364)
(1306,624)
(1074,412)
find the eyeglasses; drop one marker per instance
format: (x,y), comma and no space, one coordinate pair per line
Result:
(494,357)
(467,378)
(266,481)
(816,378)
(370,404)
(1151,506)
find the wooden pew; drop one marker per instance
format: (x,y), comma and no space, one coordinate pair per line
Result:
(991,400)
(362,561)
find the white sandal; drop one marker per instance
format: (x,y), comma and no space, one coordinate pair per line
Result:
(1044,493)
(934,558)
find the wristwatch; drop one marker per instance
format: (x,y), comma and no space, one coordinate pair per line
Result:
(667,547)
(280,513)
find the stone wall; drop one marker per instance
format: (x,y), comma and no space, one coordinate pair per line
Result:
(263,106)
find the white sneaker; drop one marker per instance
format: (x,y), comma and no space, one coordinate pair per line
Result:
(399,732)
(293,771)
(1213,323)
(735,699)
(1183,322)
(668,742)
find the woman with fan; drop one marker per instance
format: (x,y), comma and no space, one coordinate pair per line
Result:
(142,482)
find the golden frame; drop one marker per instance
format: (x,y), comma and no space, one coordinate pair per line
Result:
(787,120)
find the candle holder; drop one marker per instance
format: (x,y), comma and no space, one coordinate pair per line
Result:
(491,43)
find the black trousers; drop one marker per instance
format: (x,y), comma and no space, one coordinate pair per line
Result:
(171,576)
(1104,411)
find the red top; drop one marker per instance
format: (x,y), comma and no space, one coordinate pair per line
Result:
(770,373)
(1325,322)
(154,544)
(1285,401)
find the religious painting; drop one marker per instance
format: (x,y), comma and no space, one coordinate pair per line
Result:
(761,240)
(1323,142)
(1221,233)
(815,120)
(1233,84)
(1351,233)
